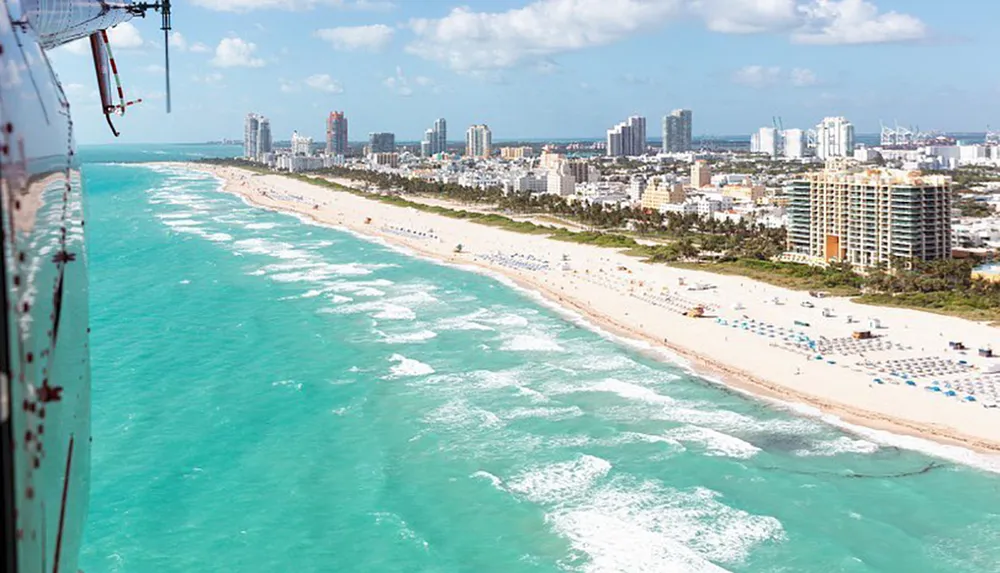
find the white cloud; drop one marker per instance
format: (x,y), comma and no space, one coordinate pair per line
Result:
(467,40)
(374,37)
(768,76)
(155,69)
(288,87)
(209,78)
(199,48)
(803,77)
(76,47)
(855,22)
(291,5)
(398,83)
(236,53)
(757,76)
(324,83)
(177,41)
(125,36)
(746,16)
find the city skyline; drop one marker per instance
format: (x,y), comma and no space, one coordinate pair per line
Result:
(397,67)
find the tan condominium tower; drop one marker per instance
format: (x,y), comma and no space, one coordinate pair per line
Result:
(870,216)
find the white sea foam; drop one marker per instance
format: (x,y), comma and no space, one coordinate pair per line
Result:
(464,322)
(630,391)
(535,395)
(621,525)
(987,462)
(368,291)
(288,384)
(182,223)
(459,413)
(563,413)
(408,367)
(533,341)
(395,312)
(497,482)
(340,298)
(562,481)
(261,226)
(219,237)
(841,445)
(171,216)
(408,337)
(715,443)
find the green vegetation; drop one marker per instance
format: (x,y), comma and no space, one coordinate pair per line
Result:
(970,208)
(697,243)
(836,280)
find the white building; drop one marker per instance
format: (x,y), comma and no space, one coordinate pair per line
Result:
(251,131)
(561,181)
(834,138)
(478,141)
(627,139)
(530,183)
(796,145)
(301,145)
(635,188)
(766,140)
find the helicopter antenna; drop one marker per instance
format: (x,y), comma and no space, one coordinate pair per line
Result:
(163,7)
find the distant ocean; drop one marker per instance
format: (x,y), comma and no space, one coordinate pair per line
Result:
(274,396)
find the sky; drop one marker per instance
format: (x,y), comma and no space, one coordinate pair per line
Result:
(544,68)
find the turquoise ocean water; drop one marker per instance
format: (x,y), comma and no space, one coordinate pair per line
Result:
(271,395)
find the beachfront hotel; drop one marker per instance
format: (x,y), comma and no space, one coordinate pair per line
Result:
(869,216)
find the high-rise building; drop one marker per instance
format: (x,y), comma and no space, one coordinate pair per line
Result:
(834,138)
(478,141)
(795,143)
(560,181)
(701,174)
(614,147)
(435,139)
(441,135)
(251,131)
(870,216)
(677,131)
(766,140)
(263,138)
(381,142)
(583,172)
(301,145)
(627,139)
(336,133)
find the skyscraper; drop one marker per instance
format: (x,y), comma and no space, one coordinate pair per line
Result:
(263,138)
(766,140)
(336,133)
(677,131)
(251,128)
(627,139)
(834,138)
(795,143)
(478,141)
(381,142)
(441,134)
(435,139)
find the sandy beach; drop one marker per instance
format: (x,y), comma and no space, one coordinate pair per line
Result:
(749,338)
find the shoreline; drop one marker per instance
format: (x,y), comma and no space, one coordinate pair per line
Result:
(705,361)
